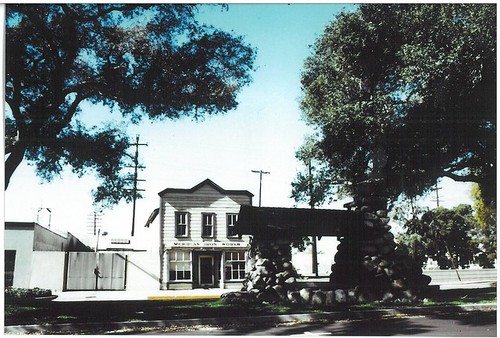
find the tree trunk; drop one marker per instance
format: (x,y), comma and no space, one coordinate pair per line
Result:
(12,162)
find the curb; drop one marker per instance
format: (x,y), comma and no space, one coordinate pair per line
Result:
(68,328)
(186,297)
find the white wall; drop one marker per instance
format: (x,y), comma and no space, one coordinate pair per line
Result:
(143,271)
(440,277)
(22,242)
(48,270)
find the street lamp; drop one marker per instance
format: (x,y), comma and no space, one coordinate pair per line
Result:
(96,270)
(97,242)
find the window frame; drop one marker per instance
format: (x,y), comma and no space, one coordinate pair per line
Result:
(173,261)
(232,266)
(185,225)
(204,226)
(231,227)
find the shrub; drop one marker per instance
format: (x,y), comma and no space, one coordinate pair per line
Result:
(22,294)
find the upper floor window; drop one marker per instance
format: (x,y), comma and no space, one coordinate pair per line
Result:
(208,221)
(181,224)
(231,225)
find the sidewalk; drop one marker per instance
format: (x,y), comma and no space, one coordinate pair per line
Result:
(201,294)
(93,296)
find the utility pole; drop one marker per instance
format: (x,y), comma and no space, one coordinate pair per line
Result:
(134,189)
(437,194)
(94,221)
(314,238)
(260,172)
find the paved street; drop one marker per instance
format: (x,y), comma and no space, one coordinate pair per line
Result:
(477,324)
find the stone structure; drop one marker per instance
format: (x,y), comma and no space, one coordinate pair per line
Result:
(368,265)
(271,274)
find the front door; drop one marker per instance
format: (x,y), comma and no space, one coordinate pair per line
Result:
(206,266)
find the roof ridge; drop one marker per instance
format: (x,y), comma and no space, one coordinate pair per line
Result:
(206,182)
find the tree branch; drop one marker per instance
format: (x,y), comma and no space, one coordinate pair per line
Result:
(12,162)
(460,178)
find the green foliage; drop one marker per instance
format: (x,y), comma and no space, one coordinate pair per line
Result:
(444,235)
(152,60)
(406,92)
(314,184)
(415,246)
(486,232)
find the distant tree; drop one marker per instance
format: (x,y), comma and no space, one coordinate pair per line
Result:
(415,246)
(486,232)
(406,92)
(151,60)
(313,185)
(446,236)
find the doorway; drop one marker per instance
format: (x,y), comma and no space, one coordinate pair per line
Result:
(206,271)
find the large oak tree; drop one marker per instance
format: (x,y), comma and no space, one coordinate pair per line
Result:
(406,93)
(151,60)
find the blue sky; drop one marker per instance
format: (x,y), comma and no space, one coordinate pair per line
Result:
(262,133)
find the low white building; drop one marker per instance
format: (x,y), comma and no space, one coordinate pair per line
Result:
(35,256)
(199,245)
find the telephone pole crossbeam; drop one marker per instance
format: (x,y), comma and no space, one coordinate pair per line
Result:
(437,194)
(260,172)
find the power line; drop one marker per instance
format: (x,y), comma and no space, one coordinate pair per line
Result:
(260,172)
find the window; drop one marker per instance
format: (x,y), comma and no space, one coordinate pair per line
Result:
(181,224)
(235,265)
(231,225)
(208,221)
(10,262)
(180,266)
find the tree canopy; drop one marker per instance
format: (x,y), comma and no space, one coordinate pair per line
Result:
(152,60)
(406,92)
(314,185)
(444,235)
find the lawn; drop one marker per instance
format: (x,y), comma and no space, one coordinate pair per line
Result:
(73,312)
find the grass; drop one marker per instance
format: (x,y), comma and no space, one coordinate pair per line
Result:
(68,312)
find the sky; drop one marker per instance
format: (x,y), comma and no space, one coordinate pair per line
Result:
(263,133)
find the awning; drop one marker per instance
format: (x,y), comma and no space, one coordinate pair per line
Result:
(152,217)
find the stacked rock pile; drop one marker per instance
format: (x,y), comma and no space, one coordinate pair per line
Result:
(370,262)
(271,274)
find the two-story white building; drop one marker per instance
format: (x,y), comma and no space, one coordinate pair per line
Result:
(199,245)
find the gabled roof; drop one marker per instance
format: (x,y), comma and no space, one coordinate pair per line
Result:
(209,183)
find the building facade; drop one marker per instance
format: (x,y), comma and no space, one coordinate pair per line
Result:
(35,256)
(199,245)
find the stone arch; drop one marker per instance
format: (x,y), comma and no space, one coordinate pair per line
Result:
(368,265)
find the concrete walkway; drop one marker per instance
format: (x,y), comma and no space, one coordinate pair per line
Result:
(93,296)
(199,294)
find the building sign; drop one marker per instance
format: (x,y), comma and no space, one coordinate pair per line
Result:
(195,244)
